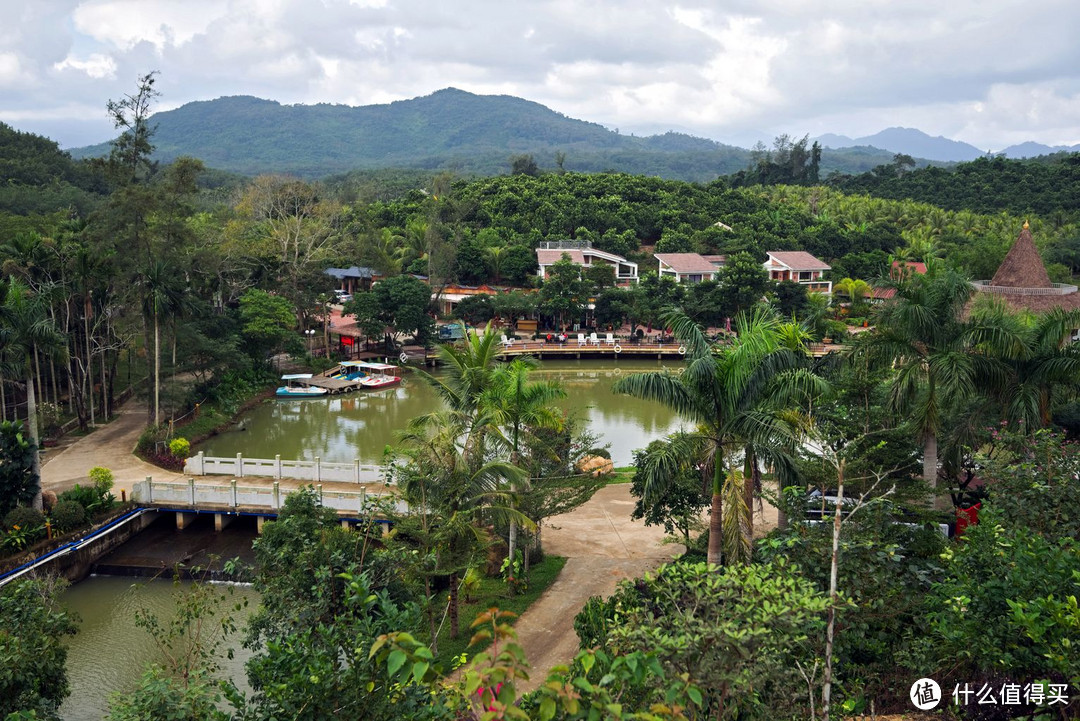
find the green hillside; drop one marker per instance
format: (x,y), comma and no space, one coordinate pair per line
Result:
(36,177)
(450,129)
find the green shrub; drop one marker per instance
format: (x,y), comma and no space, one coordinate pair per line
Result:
(24,517)
(180,447)
(68,515)
(85,496)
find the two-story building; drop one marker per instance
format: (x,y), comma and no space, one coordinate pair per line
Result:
(689,267)
(582,253)
(800,267)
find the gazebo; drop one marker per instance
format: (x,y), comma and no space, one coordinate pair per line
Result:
(1022,283)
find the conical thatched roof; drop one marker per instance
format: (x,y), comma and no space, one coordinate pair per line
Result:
(1022,267)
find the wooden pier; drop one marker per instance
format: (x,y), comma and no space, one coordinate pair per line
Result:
(333,386)
(603,349)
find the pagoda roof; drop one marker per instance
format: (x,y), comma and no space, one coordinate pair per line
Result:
(1023,266)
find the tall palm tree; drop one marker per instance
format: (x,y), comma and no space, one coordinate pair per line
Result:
(520,405)
(468,369)
(741,397)
(941,359)
(163,295)
(453,481)
(25,327)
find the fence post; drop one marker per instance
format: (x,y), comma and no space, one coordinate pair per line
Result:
(233,484)
(240,465)
(363,498)
(201,463)
(277,467)
(318,471)
(356,471)
(277,495)
(191,490)
(149,489)
(319,488)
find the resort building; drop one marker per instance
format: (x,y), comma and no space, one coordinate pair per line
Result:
(353,279)
(1022,283)
(582,253)
(689,267)
(800,267)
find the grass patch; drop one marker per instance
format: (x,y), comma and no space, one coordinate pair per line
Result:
(493,592)
(622,474)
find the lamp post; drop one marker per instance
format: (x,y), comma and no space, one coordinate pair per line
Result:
(310,333)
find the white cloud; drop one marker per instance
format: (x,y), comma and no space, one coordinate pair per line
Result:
(991,72)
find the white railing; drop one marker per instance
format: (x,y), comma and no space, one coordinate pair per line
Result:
(190,495)
(315,471)
(1057,289)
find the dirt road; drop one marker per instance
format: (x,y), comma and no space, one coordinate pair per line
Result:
(110,446)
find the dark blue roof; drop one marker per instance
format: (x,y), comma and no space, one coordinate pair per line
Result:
(353,272)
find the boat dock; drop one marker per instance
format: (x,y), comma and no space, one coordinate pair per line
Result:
(660,351)
(332,385)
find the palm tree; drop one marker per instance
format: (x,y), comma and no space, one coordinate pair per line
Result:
(451,480)
(741,397)
(1046,360)
(26,328)
(519,405)
(468,370)
(162,296)
(855,290)
(940,358)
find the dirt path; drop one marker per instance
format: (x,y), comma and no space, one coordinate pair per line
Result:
(602,546)
(111,446)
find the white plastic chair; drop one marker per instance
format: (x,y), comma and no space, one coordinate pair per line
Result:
(593,339)
(507,342)
(610,340)
(581,339)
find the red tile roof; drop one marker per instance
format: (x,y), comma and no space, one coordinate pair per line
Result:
(686,262)
(547,257)
(798,260)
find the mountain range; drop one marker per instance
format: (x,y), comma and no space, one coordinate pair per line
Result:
(920,145)
(472,134)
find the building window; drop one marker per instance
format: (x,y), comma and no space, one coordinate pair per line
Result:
(805,275)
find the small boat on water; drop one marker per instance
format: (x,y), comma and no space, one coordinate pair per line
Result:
(293,388)
(379,375)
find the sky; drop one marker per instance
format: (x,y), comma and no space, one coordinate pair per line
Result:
(991,73)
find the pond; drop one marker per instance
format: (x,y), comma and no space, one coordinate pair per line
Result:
(359,425)
(109,653)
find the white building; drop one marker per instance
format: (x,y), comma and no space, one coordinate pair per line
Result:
(582,253)
(800,267)
(689,267)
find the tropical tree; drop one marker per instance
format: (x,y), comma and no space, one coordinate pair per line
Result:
(854,289)
(742,398)
(26,331)
(519,405)
(451,482)
(468,369)
(163,296)
(940,357)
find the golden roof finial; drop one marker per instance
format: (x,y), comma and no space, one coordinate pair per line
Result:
(1026,226)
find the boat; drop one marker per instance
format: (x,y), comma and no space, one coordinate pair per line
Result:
(349,371)
(295,389)
(379,375)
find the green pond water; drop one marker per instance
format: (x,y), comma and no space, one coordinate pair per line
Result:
(359,425)
(109,653)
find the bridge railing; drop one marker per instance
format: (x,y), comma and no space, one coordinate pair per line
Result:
(233,495)
(315,471)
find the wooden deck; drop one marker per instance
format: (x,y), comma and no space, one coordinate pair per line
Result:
(332,385)
(620,349)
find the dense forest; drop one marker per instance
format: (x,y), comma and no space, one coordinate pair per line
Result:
(927,408)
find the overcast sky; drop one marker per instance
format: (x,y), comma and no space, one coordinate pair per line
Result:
(992,72)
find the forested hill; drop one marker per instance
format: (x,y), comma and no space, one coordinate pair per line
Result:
(37,177)
(450,129)
(1046,186)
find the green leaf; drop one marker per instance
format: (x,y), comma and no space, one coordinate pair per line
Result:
(395,661)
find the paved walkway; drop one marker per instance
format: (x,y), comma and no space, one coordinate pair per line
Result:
(111,446)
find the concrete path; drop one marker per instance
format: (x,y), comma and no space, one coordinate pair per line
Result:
(111,446)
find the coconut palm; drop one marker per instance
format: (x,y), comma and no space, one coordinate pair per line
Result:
(450,479)
(941,359)
(468,369)
(854,289)
(26,328)
(519,405)
(742,397)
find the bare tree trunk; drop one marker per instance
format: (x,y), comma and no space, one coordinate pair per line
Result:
(31,421)
(716,530)
(930,460)
(454,631)
(157,372)
(3,400)
(826,688)
(88,369)
(37,373)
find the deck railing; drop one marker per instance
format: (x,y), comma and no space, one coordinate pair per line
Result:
(315,471)
(232,495)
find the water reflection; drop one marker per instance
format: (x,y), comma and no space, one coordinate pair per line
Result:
(360,425)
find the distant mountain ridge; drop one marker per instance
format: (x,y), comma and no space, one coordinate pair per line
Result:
(918,144)
(449,129)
